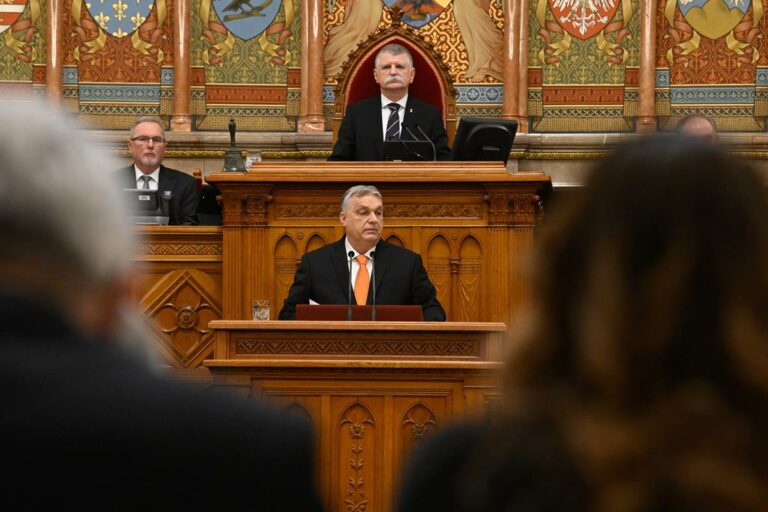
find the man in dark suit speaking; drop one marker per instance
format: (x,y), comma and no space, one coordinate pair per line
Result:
(392,115)
(324,275)
(147,146)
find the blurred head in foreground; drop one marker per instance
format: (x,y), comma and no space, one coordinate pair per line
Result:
(648,346)
(63,239)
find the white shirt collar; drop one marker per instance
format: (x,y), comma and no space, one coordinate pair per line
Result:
(348,247)
(155,175)
(402,102)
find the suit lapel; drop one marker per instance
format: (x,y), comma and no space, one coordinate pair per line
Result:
(381,266)
(340,264)
(408,117)
(374,116)
(128,175)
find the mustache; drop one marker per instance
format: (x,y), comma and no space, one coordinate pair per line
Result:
(393,79)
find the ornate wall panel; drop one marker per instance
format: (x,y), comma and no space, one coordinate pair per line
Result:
(583,65)
(22,48)
(246,60)
(118,60)
(466,33)
(711,60)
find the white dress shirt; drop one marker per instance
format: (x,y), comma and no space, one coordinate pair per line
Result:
(385,113)
(154,181)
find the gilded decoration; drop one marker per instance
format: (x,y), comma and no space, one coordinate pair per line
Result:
(20,32)
(583,65)
(711,61)
(248,63)
(143,20)
(467,34)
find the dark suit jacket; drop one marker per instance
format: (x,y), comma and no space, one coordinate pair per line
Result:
(182,207)
(323,276)
(91,429)
(361,137)
(480,468)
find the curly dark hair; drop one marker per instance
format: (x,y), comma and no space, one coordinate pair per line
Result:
(647,342)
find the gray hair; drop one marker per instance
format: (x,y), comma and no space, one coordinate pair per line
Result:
(62,213)
(393,49)
(146,119)
(359,191)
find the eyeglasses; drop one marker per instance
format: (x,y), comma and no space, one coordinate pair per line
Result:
(143,139)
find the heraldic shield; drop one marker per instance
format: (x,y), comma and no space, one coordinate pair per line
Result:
(10,11)
(246,18)
(714,18)
(120,18)
(583,19)
(418,13)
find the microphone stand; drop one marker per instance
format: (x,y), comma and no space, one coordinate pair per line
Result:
(409,150)
(350,256)
(434,149)
(373,280)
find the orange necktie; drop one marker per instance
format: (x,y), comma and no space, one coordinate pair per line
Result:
(362,281)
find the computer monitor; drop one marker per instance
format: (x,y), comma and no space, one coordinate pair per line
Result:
(484,140)
(146,207)
(142,202)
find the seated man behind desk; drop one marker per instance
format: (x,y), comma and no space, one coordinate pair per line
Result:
(324,277)
(147,146)
(369,122)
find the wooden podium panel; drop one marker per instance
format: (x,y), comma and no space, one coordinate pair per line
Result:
(473,224)
(372,390)
(177,288)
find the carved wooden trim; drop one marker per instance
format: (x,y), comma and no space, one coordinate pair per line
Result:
(178,310)
(392,210)
(245,208)
(370,344)
(453,211)
(513,209)
(180,249)
(307,211)
(357,419)
(337,370)
(419,426)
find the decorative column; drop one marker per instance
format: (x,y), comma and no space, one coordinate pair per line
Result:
(522,67)
(515,63)
(181,121)
(54,59)
(311,117)
(646,116)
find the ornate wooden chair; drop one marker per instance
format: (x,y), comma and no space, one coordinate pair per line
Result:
(432,83)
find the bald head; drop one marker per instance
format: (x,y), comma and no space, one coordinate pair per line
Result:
(699,127)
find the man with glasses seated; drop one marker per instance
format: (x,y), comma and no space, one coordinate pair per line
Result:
(147,146)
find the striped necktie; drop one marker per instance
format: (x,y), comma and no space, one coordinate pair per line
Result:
(393,123)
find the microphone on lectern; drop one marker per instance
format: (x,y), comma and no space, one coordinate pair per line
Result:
(373,281)
(350,257)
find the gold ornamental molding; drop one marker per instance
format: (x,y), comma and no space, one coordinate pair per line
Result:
(193,153)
